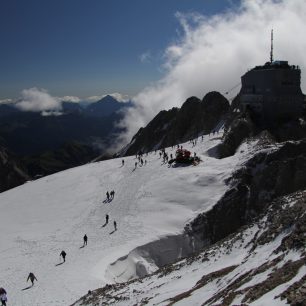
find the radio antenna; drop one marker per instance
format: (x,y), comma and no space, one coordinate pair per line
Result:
(271,52)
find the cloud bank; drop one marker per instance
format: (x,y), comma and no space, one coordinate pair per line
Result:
(214,51)
(38,100)
(6,101)
(72,99)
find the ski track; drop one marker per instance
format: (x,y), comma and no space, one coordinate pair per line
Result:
(43,217)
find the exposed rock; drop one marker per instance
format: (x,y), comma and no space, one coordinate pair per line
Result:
(178,125)
(12,172)
(265,177)
(296,293)
(277,277)
(241,128)
(201,283)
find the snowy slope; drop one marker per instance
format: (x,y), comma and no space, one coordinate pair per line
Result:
(240,270)
(41,218)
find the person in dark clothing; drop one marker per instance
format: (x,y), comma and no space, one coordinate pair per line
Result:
(106,219)
(135,165)
(123,162)
(63,254)
(115,225)
(31,277)
(3,297)
(85,238)
(107,195)
(113,193)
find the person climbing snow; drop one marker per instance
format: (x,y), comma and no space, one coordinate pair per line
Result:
(31,277)
(106,218)
(115,225)
(3,297)
(107,195)
(85,238)
(63,254)
(122,162)
(113,194)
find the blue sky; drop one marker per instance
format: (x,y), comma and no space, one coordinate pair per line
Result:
(85,48)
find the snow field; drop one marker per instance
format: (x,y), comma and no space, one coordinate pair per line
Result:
(43,217)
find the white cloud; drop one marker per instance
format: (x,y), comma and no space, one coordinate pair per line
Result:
(120,97)
(6,101)
(145,57)
(93,99)
(38,100)
(214,51)
(69,99)
(51,113)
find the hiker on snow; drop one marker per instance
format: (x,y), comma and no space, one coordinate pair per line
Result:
(107,195)
(115,225)
(112,194)
(122,162)
(85,238)
(3,297)
(106,219)
(31,277)
(63,254)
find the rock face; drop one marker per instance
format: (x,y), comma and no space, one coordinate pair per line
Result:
(265,177)
(241,128)
(174,126)
(12,172)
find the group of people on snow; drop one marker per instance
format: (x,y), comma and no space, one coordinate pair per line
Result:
(110,195)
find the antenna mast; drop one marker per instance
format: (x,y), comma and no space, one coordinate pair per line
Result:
(271,52)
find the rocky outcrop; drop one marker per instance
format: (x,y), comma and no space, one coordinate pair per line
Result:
(241,128)
(154,133)
(265,177)
(168,128)
(12,172)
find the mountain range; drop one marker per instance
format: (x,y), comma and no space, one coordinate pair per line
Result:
(47,144)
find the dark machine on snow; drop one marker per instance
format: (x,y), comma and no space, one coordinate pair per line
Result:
(183,156)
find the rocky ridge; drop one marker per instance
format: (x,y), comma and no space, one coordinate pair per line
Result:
(194,118)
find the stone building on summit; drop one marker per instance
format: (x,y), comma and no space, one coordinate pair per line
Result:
(272,91)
